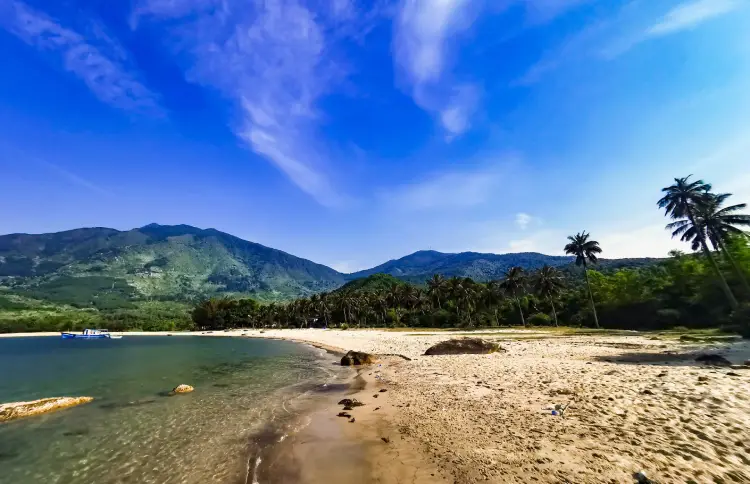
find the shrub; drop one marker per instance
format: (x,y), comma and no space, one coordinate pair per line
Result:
(344,327)
(539,319)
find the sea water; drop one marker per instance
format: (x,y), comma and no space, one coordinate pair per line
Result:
(245,391)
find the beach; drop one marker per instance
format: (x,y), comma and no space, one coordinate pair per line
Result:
(636,404)
(633,403)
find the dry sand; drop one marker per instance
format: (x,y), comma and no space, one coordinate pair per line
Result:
(635,404)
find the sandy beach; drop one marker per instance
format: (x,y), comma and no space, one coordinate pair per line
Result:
(635,404)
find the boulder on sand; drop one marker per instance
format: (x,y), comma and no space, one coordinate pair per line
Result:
(713,360)
(181,389)
(11,411)
(466,346)
(356,358)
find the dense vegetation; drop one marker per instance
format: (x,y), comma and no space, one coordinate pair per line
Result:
(696,290)
(150,278)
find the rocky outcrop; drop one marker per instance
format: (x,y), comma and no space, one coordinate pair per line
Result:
(467,346)
(356,358)
(11,411)
(181,389)
(713,360)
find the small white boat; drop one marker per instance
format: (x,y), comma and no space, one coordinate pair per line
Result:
(91,334)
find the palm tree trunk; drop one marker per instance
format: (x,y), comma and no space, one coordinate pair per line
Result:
(724,286)
(736,268)
(497,323)
(554,313)
(591,295)
(520,311)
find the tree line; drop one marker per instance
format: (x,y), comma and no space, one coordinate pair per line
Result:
(696,290)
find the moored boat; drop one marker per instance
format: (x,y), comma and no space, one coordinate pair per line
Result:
(91,334)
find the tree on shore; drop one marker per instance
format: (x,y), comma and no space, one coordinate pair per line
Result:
(585,251)
(686,200)
(514,285)
(548,283)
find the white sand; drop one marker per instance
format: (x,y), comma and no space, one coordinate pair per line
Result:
(482,418)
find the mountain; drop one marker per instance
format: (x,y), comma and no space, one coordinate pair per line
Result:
(155,261)
(419,266)
(111,269)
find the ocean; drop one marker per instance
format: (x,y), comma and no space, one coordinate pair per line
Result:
(248,394)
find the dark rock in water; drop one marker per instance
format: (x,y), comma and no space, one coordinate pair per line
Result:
(713,359)
(351,402)
(383,390)
(467,346)
(343,414)
(356,358)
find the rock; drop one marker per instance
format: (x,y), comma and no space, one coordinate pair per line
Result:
(702,378)
(383,390)
(713,359)
(466,346)
(351,402)
(375,396)
(343,414)
(647,392)
(11,411)
(348,407)
(731,373)
(641,478)
(181,389)
(356,358)
(386,440)
(351,420)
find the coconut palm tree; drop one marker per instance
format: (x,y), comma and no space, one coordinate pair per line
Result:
(548,283)
(436,286)
(682,200)
(585,251)
(719,226)
(493,295)
(514,285)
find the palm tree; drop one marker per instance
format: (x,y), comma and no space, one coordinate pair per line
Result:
(585,250)
(514,285)
(684,199)
(493,295)
(436,289)
(548,283)
(719,226)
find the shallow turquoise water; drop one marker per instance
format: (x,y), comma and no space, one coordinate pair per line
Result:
(132,433)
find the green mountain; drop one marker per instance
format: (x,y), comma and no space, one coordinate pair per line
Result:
(421,265)
(108,269)
(104,267)
(374,283)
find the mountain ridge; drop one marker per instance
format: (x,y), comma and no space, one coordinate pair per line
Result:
(183,262)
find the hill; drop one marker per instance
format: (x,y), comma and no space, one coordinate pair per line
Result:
(103,267)
(374,283)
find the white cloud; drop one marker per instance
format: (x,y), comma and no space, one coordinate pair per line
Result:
(425,37)
(646,241)
(523,220)
(98,60)
(691,14)
(446,190)
(346,266)
(276,60)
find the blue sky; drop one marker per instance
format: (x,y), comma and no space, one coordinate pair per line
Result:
(352,132)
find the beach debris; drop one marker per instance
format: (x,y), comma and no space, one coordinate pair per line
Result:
(465,346)
(376,408)
(182,388)
(702,378)
(383,390)
(351,420)
(731,373)
(647,392)
(559,409)
(386,440)
(713,360)
(356,358)
(12,411)
(343,414)
(641,478)
(375,396)
(351,402)
(662,374)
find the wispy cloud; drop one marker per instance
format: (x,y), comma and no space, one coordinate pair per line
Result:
(450,189)
(275,60)
(613,35)
(425,37)
(691,14)
(523,220)
(97,59)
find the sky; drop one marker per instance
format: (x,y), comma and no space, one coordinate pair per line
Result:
(351,133)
